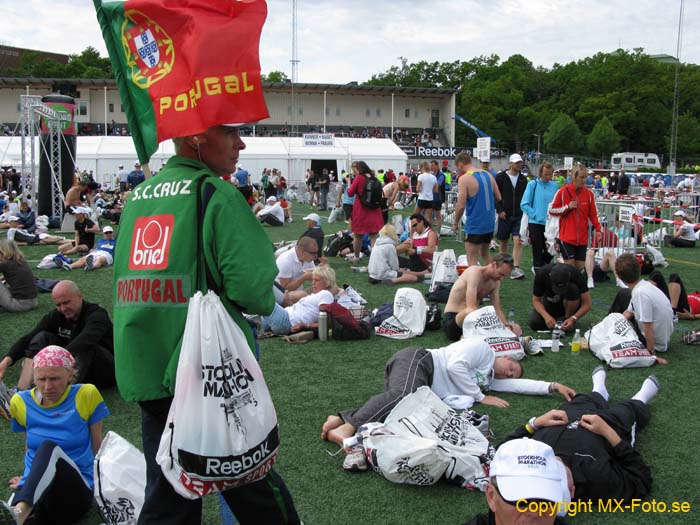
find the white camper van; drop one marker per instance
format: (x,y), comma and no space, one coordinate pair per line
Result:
(632,161)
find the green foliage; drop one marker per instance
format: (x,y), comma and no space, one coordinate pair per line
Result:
(603,140)
(563,135)
(688,136)
(88,64)
(275,76)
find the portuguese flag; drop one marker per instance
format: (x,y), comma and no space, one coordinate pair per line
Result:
(183,66)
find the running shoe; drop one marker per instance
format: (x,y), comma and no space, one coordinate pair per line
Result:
(355,460)
(8,516)
(5,397)
(517,273)
(61,263)
(89,263)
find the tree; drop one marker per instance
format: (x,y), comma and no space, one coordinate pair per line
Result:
(603,140)
(275,76)
(563,136)
(688,144)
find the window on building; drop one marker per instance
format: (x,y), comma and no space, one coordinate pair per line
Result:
(82,108)
(415,113)
(379,112)
(121,108)
(301,110)
(407,113)
(337,112)
(435,118)
(328,111)
(111,108)
(367,113)
(289,110)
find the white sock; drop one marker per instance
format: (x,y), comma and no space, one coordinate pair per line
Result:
(599,377)
(650,388)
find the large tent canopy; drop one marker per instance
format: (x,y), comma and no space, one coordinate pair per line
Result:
(103,155)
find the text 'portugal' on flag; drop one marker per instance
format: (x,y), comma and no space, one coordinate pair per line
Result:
(183,66)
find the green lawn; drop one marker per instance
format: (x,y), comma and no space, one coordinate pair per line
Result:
(309,382)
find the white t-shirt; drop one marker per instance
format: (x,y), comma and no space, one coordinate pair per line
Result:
(650,305)
(290,267)
(306,309)
(123,175)
(428,182)
(275,210)
(513,179)
(687,231)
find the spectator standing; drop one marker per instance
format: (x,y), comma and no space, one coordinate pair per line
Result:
(623,184)
(136,177)
(613,183)
(243,179)
(478,192)
(575,205)
(123,176)
(535,202)
(324,186)
(243,269)
(314,188)
(427,186)
(364,220)
(438,196)
(344,199)
(511,183)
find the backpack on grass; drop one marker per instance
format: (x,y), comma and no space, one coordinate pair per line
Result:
(344,325)
(372,193)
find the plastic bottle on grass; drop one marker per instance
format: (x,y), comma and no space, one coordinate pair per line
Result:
(576,343)
(511,316)
(555,338)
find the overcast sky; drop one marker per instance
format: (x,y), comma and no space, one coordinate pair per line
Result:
(344,40)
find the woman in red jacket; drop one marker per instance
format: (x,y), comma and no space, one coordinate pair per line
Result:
(364,220)
(575,205)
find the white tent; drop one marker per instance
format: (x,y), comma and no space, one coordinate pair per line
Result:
(103,155)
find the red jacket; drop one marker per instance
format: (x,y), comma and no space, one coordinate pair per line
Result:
(573,222)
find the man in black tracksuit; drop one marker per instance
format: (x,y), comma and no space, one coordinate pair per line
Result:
(512,184)
(595,441)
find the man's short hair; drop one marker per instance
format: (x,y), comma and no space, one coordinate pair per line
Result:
(307,244)
(503,258)
(463,157)
(627,268)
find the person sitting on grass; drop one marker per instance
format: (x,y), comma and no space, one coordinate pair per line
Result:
(476,283)
(100,257)
(457,373)
(303,315)
(24,238)
(685,305)
(85,230)
(294,269)
(62,423)
(272,213)
(314,231)
(514,483)
(648,306)
(27,217)
(84,328)
(383,264)
(419,246)
(595,441)
(597,271)
(683,233)
(18,293)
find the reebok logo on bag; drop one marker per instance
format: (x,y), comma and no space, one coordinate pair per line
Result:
(372,193)
(150,246)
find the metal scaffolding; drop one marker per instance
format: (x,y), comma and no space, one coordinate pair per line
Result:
(33,109)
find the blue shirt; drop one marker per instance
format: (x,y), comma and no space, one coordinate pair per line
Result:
(66,423)
(135,178)
(481,208)
(346,199)
(107,245)
(242,176)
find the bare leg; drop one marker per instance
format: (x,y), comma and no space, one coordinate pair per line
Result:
(580,265)
(79,263)
(332,422)
(357,244)
(100,262)
(338,434)
(407,277)
(294,296)
(570,262)
(503,246)
(674,291)
(590,263)
(472,253)
(517,250)
(26,376)
(372,239)
(485,256)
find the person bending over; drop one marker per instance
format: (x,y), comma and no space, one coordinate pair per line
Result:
(595,440)
(458,373)
(475,283)
(294,268)
(83,328)
(62,423)
(559,296)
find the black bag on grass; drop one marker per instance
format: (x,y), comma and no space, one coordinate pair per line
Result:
(380,314)
(344,325)
(433,320)
(339,242)
(441,293)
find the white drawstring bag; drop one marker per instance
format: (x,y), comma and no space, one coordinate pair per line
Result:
(335,214)
(221,431)
(120,480)
(485,324)
(614,341)
(444,269)
(410,313)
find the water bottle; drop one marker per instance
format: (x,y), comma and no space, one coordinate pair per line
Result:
(576,343)
(511,316)
(555,338)
(323,326)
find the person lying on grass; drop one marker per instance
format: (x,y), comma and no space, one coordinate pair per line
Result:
(595,441)
(303,315)
(458,373)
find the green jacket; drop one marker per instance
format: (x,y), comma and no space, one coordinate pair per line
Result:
(157,270)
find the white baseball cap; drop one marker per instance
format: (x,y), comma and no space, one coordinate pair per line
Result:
(313,217)
(107,229)
(137,163)
(272,198)
(680,213)
(81,209)
(515,158)
(527,469)
(484,159)
(12,218)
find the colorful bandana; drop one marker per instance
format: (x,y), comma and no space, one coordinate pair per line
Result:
(54,355)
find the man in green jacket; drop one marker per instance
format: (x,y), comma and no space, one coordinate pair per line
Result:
(160,263)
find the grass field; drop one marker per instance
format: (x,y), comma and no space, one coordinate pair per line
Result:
(309,382)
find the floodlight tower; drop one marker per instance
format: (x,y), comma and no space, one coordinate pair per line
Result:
(295,69)
(674,120)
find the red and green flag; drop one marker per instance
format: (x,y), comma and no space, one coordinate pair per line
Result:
(183,66)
